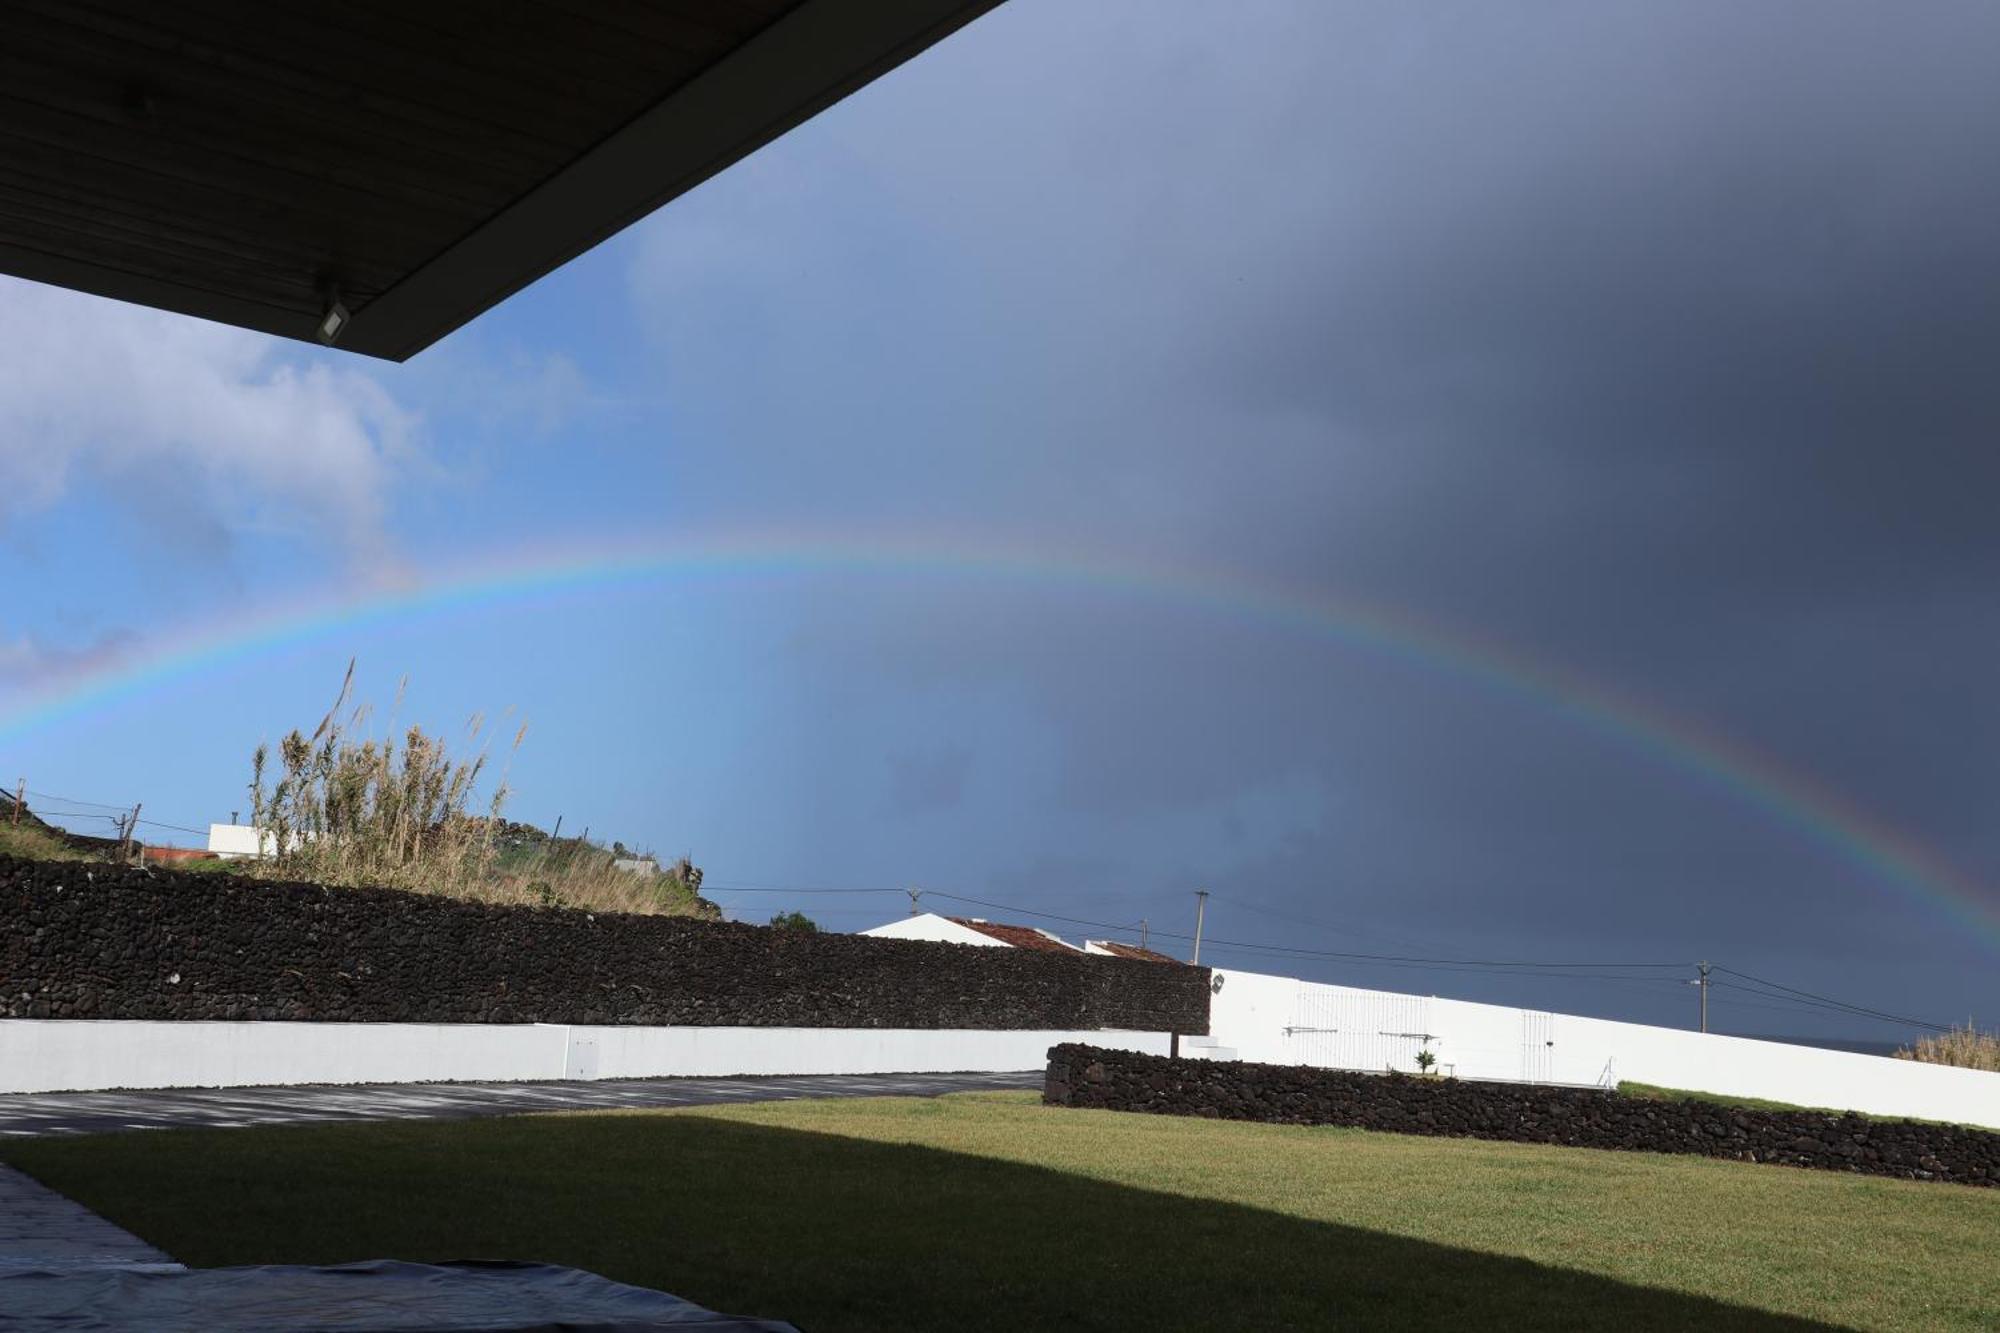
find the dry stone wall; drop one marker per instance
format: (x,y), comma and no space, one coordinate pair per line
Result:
(1087,1076)
(81,940)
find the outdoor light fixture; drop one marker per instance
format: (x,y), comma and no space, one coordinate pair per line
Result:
(334,322)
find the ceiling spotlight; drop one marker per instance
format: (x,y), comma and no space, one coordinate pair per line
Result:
(334,322)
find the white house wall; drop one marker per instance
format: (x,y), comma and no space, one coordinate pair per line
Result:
(69,1055)
(1283,1020)
(234,840)
(931,926)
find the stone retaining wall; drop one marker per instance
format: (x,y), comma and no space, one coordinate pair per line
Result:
(80,940)
(1089,1076)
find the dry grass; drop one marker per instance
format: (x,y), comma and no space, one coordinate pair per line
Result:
(357,811)
(1966,1047)
(570,872)
(35,843)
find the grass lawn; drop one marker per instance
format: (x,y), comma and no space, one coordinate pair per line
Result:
(991,1211)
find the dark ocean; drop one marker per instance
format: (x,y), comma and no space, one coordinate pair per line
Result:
(1858,1044)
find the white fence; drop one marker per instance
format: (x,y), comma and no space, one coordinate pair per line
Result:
(71,1055)
(1282,1020)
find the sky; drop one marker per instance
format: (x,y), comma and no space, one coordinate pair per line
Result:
(1455,482)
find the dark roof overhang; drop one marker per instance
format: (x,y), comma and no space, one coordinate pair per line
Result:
(254,162)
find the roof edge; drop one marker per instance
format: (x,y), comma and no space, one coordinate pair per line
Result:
(721,116)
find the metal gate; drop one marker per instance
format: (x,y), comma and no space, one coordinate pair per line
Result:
(1538,1046)
(1341,1029)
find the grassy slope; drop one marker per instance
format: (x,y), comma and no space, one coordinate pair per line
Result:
(35,844)
(992,1212)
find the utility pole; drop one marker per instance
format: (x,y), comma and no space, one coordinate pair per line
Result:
(1200,912)
(20,795)
(914,895)
(1703,983)
(131,822)
(1142,932)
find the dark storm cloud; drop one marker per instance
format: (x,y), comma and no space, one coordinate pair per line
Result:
(1657,341)
(930,779)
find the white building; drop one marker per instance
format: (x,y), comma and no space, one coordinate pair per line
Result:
(972,930)
(231,841)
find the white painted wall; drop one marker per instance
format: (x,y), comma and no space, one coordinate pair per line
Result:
(1282,1020)
(62,1055)
(68,1055)
(638,1052)
(233,840)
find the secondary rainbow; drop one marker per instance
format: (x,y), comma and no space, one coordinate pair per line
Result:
(1829,820)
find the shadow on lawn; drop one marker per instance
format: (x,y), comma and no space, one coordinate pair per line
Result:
(832,1233)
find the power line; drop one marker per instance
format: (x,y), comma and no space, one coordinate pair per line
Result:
(1441,963)
(44,811)
(1566,975)
(75,800)
(1049,916)
(178,828)
(1805,1001)
(1780,1004)
(767,888)
(1829,1002)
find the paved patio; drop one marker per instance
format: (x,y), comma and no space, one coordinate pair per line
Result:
(37,1113)
(41,1229)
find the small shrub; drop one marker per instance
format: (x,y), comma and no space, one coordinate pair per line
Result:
(795,921)
(1425,1060)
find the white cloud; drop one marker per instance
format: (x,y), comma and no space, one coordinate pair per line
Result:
(95,392)
(27,660)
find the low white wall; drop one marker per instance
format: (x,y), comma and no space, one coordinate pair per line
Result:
(1283,1020)
(64,1055)
(638,1052)
(69,1055)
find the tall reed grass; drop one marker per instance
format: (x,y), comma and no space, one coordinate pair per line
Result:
(348,810)
(1966,1047)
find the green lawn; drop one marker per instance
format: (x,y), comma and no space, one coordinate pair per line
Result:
(994,1212)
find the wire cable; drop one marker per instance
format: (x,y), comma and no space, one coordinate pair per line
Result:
(1826,1002)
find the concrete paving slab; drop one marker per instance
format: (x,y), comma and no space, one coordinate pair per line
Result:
(42,1113)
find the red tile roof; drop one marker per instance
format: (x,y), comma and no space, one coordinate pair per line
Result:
(1117,950)
(1020,937)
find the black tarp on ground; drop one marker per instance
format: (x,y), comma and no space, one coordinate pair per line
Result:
(380,1296)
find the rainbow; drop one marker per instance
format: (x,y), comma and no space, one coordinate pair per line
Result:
(1819,814)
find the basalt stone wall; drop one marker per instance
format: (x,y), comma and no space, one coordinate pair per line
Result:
(82,940)
(1580,1117)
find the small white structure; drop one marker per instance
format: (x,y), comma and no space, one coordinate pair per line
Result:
(972,930)
(636,865)
(231,841)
